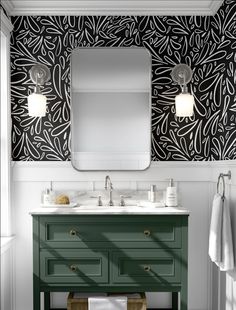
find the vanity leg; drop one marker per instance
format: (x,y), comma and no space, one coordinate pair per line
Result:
(174,300)
(36,300)
(36,274)
(184,281)
(183,299)
(46,300)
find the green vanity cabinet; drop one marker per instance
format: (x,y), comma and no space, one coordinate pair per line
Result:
(110,253)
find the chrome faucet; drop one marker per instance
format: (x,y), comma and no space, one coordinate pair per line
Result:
(110,203)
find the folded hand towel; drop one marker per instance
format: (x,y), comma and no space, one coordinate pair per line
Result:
(215,229)
(107,303)
(220,237)
(227,252)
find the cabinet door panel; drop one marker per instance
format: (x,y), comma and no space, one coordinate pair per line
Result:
(149,266)
(74,266)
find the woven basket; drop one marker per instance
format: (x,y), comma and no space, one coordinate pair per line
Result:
(82,303)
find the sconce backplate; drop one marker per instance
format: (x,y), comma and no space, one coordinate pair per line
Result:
(40,74)
(182,74)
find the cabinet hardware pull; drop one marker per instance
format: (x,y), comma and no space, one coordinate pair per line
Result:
(73,268)
(147,268)
(147,233)
(73,232)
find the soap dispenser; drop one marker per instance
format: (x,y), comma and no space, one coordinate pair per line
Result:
(49,196)
(152,193)
(46,197)
(171,195)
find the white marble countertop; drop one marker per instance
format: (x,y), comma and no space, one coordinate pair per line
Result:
(110,210)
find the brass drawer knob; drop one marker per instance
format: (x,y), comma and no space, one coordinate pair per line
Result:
(73,232)
(73,268)
(147,233)
(147,268)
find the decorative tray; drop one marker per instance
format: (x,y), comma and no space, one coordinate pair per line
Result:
(70,205)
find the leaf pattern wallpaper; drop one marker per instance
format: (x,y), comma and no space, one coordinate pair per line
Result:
(207,44)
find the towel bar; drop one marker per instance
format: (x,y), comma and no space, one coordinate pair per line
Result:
(222,177)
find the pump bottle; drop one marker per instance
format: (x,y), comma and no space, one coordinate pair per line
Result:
(171,195)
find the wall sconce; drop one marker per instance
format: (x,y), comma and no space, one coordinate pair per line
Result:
(37,102)
(184,102)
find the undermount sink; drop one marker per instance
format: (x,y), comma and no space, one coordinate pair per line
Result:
(94,207)
(141,204)
(116,208)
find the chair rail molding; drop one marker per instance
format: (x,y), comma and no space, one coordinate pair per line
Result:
(181,171)
(45,171)
(112,7)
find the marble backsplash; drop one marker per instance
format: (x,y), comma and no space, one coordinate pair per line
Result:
(88,198)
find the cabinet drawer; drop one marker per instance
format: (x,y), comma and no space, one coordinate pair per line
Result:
(69,232)
(74,266)
(146,267)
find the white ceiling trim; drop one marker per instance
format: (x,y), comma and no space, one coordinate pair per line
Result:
(8,6)
(215,5)
(112,7)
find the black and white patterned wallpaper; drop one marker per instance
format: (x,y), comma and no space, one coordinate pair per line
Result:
(207,44)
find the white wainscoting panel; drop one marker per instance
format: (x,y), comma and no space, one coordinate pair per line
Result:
(195,183)
(7,273)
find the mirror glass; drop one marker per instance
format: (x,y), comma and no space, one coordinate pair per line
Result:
(111,108)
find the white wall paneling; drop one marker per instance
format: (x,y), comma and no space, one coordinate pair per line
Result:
(7,248)
(196,182)
(7,273)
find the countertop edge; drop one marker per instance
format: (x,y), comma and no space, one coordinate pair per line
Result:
(76,211)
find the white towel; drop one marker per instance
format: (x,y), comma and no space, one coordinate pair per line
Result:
(220,237)
(107,303)
(215,229)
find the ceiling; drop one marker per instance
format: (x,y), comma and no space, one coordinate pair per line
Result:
(111,7)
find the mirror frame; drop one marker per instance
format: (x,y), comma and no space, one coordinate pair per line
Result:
(149,106)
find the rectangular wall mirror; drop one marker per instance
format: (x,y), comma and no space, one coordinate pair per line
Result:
(110,108)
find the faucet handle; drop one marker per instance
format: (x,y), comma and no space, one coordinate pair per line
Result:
(99,200)
(122,201)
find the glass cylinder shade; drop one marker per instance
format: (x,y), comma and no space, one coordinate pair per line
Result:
(37,105)
(184,105)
